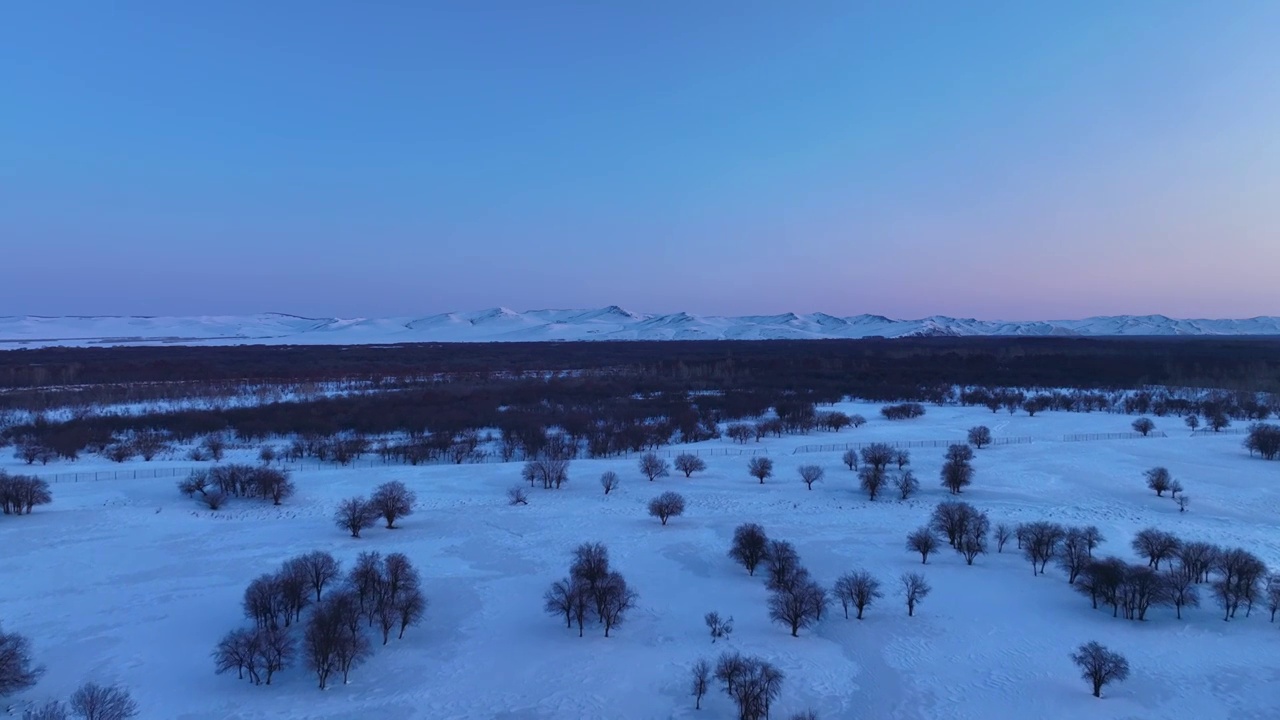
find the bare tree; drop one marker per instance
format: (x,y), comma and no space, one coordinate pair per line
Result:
(857,421)
(959,452)
(1183,501)
(1240,576)
(559,600)
(1092,538)
(878,455)
(321,568)
(688,463)
(1273,595)
(392,501)
(1100,666)
(950,518)
(810,474)
(1158,479)
(1074,555)
(760,468)
(957,474)
(236,651)
(806,715)
(902,458)
(1143,425)
(1199,558)
(798,606)
(617,599)
(973,541)
(293,589)
(365,578)
(923,541)
(17,670)
(517,495)
(355,514)
(1003,534)
(652,466)
(97,702)
(1155,545)
(914,591)
(980,436)
(872,479)
(666,506)
(609,481)
(906,484)
(750,546)
(850,458)
(720,628)
(551,468)
(263,601)
(1192,422)
(858,589)
(783,564)
(323,634)
(753,684)
(1180,585)
(1040,541)
(700,679)
(410,606)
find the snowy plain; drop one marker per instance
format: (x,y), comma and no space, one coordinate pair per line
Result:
(127,581)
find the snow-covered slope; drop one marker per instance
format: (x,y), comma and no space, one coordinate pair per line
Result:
(610,323)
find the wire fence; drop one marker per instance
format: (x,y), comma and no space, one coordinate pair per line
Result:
(1086,437)
(1209,432)
(903,444)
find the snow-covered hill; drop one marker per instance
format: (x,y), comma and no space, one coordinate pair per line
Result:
(610,323)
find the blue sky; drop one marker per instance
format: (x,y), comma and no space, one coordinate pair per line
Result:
(999,160)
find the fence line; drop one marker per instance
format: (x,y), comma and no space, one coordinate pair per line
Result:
(1208,432)
(1086,437)
(903,444)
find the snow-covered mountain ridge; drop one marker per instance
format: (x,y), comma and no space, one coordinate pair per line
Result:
(610,323)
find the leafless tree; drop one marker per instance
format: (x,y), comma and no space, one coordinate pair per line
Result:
(666,506)
(365,578)
(1180,585)
(1155,545)
(950,518)
(323,634)
(1158,479)
(617,600)
(609,481)
(263,601)
(559,600)
(1100,666)
(810,474)
(959,452)
(1074,555)
(267,454)
(517,495)
(750,546)
(1102,579)
(700,679)
(20,494)
(17,670)
(857,421)
(850,458)
(1273,595)
(355,514)
(1199,558)
(392,501)
(872,479)
(237,651)
(783,563)
(97,702)
(1092,538)
(878,455)
(923,541)
(719,627)
(753,684)
(760,468)
(973,541)
(902,458)
(798,606)
(980,436)
(1003,532)
(1192,422)
(1240,576)
(858,589)
(739,432)
(214,446)
(1183,501)
(293,585)
(956,474)
(1143,425)
(1040,543)
(914,591)
(321,568)
(806,715)
(907,484)
(553,471)
(652,466)
(410,606)
(688,463)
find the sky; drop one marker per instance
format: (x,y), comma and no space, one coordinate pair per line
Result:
(999,160)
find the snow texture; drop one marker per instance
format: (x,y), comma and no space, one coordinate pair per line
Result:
(126,581)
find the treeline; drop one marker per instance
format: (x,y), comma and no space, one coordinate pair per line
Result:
(859,367)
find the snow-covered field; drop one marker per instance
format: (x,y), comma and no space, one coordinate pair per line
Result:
(126,581)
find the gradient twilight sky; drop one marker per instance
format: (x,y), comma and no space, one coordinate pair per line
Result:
(1015,160)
